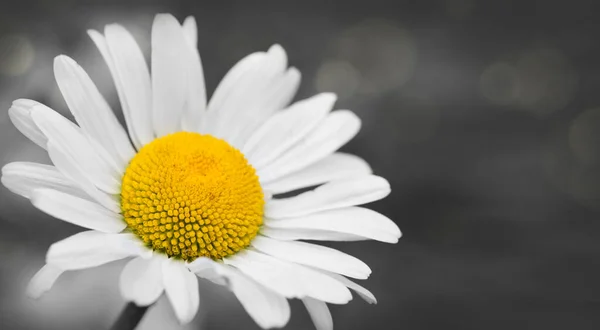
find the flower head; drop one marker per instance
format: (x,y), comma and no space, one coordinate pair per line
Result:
(187,190)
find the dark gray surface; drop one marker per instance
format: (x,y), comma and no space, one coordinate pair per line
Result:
(480,113)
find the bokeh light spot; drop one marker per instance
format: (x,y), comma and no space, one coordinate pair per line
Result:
(16,55)
(340,77)
(384,54)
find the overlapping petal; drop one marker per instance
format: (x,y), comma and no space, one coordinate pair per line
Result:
(181,287)
(355,221)
(334,167)
(130,73)
(22,178)
(20,115)
(334,131)
(91,248)
(289,279)
(91,110)
(141,280)
(332,195)
(313,255)
(76,210)
(319,313)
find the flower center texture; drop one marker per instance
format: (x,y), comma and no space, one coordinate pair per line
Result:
(190,195)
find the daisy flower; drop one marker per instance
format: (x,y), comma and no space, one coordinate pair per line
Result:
(189,188)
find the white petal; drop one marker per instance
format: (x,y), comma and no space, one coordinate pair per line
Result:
(181,287)
(336,130)
(319,313)
(332,195)
(23,177)
(334,167)
(267,308)
(69,139)
(141,281)
(227,87)
(253,95)
(289,279)
(276,96)
(102,46)
(351,220)
(132,80)
(308,234)
(190,29)
(20,115)
(77,211)
(195,105)
(169,74)
(286,128)
(207,269)
(91,110)
(313,255)
(91,248)
(71,170)
(362,292)
(43,281)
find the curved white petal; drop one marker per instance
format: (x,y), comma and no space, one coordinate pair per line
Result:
(130,73)
(319,313)
(91,110)
(78,211)
(43,281)
(141,281)
(313,255)
(365,294)
(169,74)
(252,90)
(334,131)
(337,166)
(71,170)
(286,128)
(357,221)
(276,97)
(91,248)
(309,234)
(267,308)
(195,105)
(190,30)
(181,287)
(238,73)
(332,195)
(23,177)
(206,268)
(289,279)
(20,115)
(69,139)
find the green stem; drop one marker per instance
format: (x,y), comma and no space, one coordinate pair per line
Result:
(130,317)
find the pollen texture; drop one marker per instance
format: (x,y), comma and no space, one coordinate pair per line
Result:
(190,195)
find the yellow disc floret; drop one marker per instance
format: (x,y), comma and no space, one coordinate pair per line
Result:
(191,195)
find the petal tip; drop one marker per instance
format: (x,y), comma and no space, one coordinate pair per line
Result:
(62,58)
(92,33)
(164,18)
(190,20)
(330,96)
(113,28)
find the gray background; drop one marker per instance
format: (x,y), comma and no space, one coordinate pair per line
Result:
(484,116)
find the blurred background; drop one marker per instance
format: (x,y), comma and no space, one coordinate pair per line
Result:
(484,116)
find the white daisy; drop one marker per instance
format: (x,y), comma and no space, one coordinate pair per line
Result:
(187,189)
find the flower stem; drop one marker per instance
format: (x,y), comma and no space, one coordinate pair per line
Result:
(130,317)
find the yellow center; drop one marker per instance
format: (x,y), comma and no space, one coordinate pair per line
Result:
(191,195)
